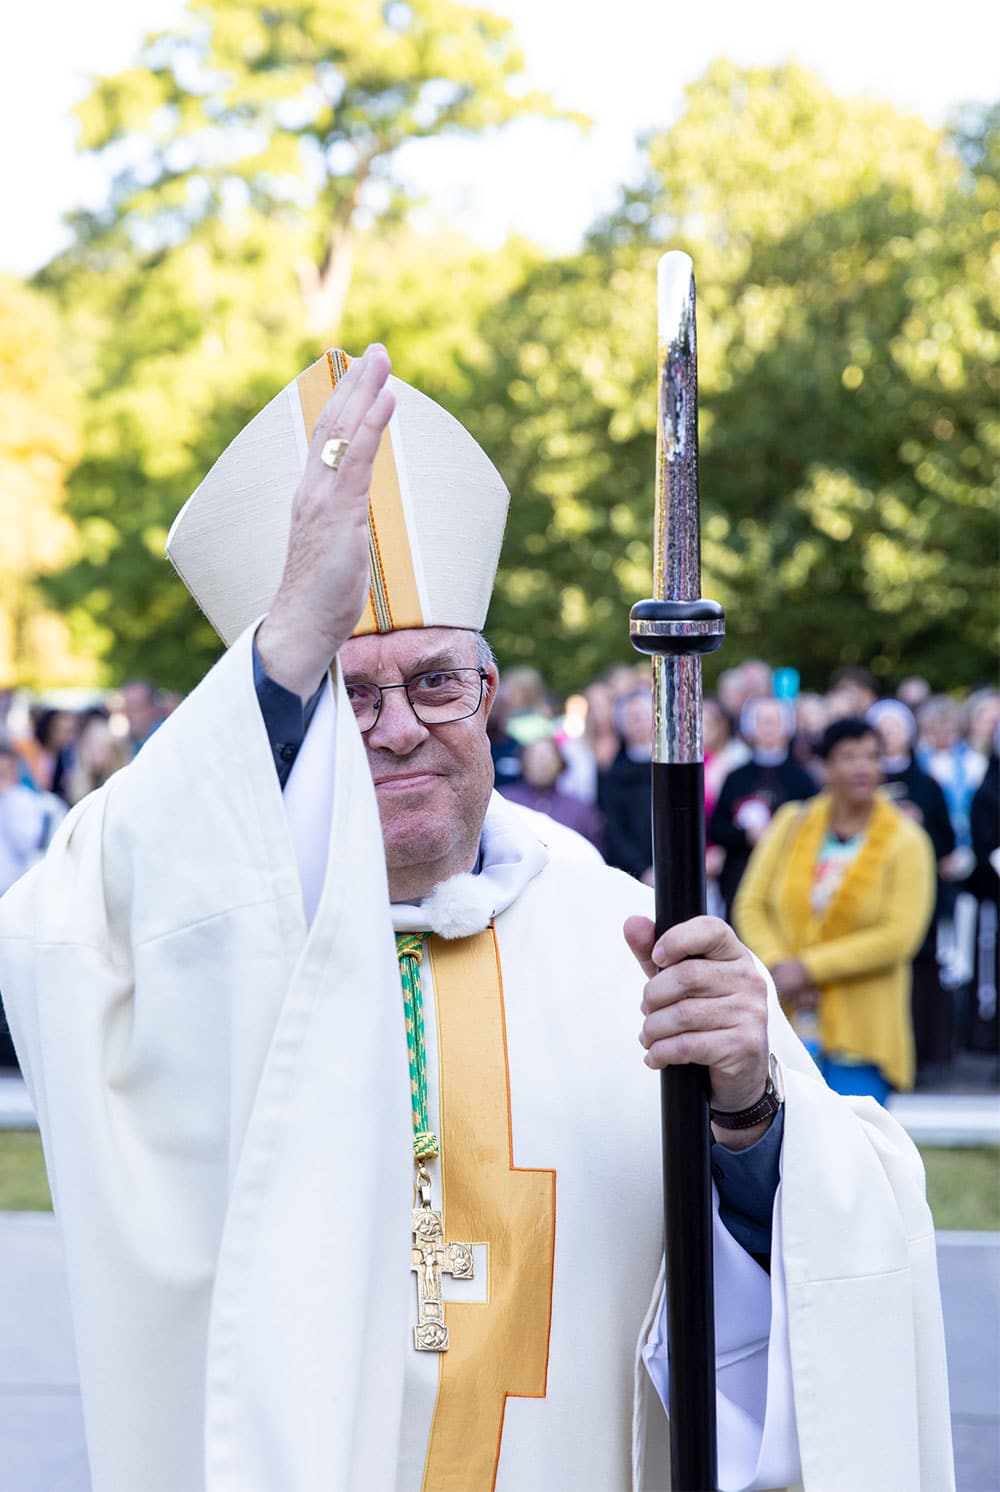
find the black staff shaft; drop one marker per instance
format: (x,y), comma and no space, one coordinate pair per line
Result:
(679,858)
(675,628)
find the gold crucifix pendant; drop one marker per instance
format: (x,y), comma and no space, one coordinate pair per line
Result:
(432,1257)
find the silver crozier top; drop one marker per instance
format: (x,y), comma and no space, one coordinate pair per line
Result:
(677,551)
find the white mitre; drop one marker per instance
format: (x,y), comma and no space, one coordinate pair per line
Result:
(437,508)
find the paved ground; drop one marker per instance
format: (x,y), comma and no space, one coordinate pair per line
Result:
(41,1429)
(969,1265)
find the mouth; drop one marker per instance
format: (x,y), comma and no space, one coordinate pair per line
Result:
(404,782)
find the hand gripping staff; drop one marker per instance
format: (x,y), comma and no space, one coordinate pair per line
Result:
(675,628)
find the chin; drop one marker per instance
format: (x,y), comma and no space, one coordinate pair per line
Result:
(421,840)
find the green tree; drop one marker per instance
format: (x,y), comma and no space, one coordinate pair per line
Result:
(39,441)
(846,264)
(253,152)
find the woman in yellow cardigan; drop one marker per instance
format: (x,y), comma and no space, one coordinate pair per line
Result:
(836,900)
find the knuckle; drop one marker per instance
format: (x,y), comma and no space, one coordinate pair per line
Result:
(683,1046)
(688,976)
(655,1028)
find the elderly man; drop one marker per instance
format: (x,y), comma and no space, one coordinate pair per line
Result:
(347,1216)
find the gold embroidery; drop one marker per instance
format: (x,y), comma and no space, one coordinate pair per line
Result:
(498,1348)
(392,561)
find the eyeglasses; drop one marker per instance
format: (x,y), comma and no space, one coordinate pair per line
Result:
(435,698)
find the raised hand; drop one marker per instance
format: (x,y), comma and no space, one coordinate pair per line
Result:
(325,580)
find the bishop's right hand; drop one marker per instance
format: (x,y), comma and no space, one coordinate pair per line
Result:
(325,580)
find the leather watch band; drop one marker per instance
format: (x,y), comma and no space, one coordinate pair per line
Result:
(765,1108)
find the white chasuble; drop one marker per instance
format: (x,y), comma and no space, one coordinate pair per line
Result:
(217,1055)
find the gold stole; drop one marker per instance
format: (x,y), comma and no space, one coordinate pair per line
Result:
(499,1347)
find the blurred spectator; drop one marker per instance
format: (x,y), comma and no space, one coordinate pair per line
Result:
(959,768)
(601,733)
(622,679)
(752,793)
(579,779)
(913,692)
(529,715)
(850,692)
(624,789)
(983,712)
(810,723)
(23,821)
(917,795)
(542,764)
(947,756)
(167,701)
(96,756)
(729,692)
(47,751)
(723,751)
(141,710)
(506,752)
(984,884)
(912,789)
(749,680)
(836,900)
(757,679)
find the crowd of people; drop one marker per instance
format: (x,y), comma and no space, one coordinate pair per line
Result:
(51,756)
(881,935)
(852,842)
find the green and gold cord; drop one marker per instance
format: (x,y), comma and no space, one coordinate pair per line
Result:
(409,951)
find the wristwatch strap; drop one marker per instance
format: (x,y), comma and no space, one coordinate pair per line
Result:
(765,1108)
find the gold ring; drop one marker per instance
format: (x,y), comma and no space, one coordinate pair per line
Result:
(332,453)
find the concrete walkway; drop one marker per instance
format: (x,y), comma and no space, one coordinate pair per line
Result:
(41,1427)
(948,1118)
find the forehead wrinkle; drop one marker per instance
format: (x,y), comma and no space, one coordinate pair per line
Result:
(443,658)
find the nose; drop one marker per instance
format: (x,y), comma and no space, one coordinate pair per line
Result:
(397,728)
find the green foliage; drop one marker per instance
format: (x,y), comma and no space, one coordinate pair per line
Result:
(253,151)
(847,273)
(39,442)
(294,108)
(846,266)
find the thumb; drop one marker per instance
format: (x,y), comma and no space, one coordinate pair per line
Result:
(640,935)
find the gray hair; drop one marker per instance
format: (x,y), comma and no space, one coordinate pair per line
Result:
(485,656)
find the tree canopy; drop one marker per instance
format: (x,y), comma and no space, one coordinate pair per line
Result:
(40,440)
(251,149)
(846,260)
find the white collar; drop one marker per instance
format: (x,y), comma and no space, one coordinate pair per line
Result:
(511,857)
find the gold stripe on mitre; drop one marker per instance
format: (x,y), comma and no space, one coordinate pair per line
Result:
(393,598)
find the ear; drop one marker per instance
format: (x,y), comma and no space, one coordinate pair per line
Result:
(490,688)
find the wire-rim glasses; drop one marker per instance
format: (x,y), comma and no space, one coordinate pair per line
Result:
(436,698)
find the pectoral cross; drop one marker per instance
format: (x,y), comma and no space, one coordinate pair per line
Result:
(432,1257)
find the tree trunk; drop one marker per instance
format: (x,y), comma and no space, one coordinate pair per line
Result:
(325,287)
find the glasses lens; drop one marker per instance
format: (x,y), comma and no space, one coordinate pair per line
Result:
(364,702)
(446,695)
